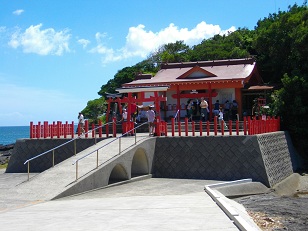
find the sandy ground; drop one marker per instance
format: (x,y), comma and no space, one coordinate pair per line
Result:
(273,212)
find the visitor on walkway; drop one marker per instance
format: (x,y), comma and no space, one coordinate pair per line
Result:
(189,110)
(216,108)
(221,119)
(81,122)
(204,109)
(151,118)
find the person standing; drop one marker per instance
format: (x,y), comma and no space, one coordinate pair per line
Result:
(189,110)
(227,110)
(234,107)
(216,108)
(204,109)
(221,119)
(151,118)
(81,122)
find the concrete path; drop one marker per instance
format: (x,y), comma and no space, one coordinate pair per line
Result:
(148,204)
(151,204)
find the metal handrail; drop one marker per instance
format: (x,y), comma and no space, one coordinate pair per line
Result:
(53,149)
(176,114)
(96,150)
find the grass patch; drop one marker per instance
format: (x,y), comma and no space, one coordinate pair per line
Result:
(3,166)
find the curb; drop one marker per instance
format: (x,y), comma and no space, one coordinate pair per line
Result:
(219,198)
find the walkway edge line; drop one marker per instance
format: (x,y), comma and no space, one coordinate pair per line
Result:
(219,198)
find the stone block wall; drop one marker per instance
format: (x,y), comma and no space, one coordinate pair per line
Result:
(25,149)
(223,158)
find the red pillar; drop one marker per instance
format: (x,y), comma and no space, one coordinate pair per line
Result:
(114,127)
(31,130)
(38,133)
(58,129)
(186,126)
(86,127)
(245,125)
(100,128)
(93,130)
(72,129)
(193,127)
(172,126)
(215,125)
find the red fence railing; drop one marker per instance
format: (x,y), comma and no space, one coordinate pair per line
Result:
(248,126)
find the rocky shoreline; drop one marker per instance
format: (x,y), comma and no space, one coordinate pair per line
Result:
(5,153)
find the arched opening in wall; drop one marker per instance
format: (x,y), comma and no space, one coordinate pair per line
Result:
(118,174)
(140,164)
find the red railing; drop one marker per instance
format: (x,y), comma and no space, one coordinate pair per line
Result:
(246,127)
(249,126)
(64,130)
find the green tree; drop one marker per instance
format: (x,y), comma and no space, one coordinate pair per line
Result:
(170,53)
(282,44)
(291,103)
(95,110)
(237,44)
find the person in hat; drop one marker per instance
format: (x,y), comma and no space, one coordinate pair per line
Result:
(81,122)
(124,115)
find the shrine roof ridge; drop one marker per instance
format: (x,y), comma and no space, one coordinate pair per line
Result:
(225,62)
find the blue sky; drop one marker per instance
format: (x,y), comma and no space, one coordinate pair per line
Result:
(55,54)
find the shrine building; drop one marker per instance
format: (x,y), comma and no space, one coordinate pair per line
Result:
(176,83)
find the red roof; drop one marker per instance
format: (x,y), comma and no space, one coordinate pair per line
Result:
(205,71)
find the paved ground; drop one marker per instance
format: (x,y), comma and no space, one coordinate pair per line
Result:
(150,204)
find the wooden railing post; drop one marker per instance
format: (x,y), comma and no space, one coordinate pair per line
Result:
(100,129)
(186,126)
(172,126)
(114,127)
(31,130)
(72,130)
(86,128)
(215,125)
(193,127)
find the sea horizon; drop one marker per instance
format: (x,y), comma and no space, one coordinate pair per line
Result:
(9,134)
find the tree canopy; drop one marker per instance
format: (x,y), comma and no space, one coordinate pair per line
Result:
(279,43)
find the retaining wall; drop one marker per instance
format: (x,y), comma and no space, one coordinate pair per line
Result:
(25,149)
(264,158)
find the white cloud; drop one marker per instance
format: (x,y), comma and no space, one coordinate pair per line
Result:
(140,42)
(18,12)
(42,42)
(84,42)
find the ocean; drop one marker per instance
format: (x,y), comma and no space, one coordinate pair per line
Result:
(9,134)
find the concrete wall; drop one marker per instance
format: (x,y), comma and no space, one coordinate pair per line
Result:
(25,149)
(137,160)
(264,158)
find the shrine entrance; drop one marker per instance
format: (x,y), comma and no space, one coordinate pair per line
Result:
(133,98)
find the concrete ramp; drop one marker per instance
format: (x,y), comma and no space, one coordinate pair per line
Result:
(112,166)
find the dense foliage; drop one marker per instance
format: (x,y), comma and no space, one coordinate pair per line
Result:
(280,45)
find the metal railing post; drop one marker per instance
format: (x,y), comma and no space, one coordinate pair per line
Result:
(53,158)
(97,158)
(28,170)
(119,145)
(76,170)
(135,136)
